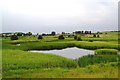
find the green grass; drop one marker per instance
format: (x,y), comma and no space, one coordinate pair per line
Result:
(106,51)
(18,63)
(41,45)
(95,59)
(106,70)
(96,45)
(21,60)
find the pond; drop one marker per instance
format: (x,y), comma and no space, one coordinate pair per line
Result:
(72,53)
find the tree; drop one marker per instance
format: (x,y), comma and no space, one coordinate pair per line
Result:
(53,33)
(20,34)
(98,32)
(29,33)
(14,37)
(37,34)
(61,37)
(44,34)
(40,37)
(63,32)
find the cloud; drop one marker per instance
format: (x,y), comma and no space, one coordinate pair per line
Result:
(59,14)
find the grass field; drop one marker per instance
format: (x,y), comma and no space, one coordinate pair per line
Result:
(17,62)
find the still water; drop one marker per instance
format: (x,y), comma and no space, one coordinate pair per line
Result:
(72,53)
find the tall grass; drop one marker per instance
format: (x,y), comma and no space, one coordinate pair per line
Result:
(106,51)
(40,45)
(96,45)
(17,59)
(95,59)
(45,45)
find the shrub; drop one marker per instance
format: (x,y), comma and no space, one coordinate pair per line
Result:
(75,37)
(79,39)
(40,37)
(106,51)
(14,37)
(98,36)
(106,33)
(69,35)
(61,37)
(94,35)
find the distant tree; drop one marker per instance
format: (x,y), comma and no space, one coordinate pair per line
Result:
(19,34)
(98,32)
(82,32)
(29,33)
(61,37)
(14,37)
(37,34)
(40,37)
(78,32)
(86,32)
(75,37)
(94,35)
(53,33)
(44,34)
(89,32)
(63,32)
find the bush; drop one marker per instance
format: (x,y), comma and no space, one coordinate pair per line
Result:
(61,37)
(75,37)
(98,36)
(94,35)
(14,37)
(106,51)
(79,39)
(105,33)
(69,35)
(40,37)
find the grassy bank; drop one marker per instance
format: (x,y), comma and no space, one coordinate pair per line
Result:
(96,59)
(106,70)
(17,63)
(106,51)
(41,45)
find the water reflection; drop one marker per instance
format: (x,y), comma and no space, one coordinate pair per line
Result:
(72,53)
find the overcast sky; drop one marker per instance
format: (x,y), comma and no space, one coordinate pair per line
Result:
(44,16)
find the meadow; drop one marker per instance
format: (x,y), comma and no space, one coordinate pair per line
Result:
(18,62)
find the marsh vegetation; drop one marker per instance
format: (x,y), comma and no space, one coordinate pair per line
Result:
(18,62)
